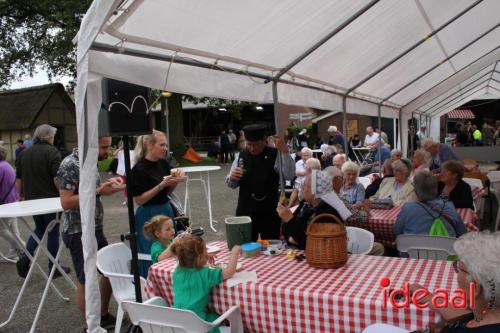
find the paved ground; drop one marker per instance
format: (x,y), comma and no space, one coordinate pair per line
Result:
(61,316)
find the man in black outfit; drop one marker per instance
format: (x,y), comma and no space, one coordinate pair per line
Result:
(256,172)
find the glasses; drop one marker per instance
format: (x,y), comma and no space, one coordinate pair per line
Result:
(458,269)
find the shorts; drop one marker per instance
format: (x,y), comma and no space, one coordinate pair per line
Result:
(74,244)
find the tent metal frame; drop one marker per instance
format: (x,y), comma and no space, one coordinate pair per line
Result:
(481,85)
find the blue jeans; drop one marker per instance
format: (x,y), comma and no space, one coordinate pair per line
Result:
(41,224)
(142,215)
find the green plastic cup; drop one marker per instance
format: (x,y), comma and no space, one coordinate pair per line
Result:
(238,230)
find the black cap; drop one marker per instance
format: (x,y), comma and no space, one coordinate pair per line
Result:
(255,132)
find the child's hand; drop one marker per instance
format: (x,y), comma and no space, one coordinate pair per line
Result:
(236,250)
(211,258)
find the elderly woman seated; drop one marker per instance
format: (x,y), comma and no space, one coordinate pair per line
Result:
(318,198)
(327,157)
(420,161)
(398,188)
(478,264)
(396,154)
(300,172)
(352,191)
(452,187)
(377,180)
(418,217)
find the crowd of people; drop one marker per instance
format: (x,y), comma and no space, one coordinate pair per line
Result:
(429,186)
(468,134)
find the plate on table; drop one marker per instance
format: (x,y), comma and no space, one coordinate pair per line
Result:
(212,249)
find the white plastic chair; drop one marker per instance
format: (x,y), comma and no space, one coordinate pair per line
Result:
(365,181)
(383,328)
(360,241)
(153,317)
(113,261)
(425,246)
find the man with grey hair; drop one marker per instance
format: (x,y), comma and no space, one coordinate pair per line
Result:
(428,208)
(440,153)
(36,171)
(338,161)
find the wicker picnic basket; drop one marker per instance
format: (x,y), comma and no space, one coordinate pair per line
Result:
(326,245)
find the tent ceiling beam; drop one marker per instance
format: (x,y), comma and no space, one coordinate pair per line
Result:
(464,98)
(484,83)
(411,48)
(442,62)
(490,87)
(494,80)
(451,76)
(325,39)
(99,47)
(458,91)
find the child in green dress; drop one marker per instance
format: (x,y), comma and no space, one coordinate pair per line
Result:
(192,279)
(161,229)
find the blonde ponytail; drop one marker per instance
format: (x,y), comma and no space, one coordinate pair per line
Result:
(141,147)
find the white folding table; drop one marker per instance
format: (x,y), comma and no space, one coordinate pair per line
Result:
(21,210)
(361,154)
(205,185)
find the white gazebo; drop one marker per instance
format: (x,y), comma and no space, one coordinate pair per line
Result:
(392,58)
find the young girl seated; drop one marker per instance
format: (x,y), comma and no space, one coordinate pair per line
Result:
(161,229)
(192,279)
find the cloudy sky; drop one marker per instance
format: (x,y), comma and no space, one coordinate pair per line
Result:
(38,79)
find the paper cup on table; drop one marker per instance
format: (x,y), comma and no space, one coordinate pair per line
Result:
(238,230)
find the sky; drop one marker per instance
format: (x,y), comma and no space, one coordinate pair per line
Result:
(38,79)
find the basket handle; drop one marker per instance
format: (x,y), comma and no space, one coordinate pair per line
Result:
(323,216)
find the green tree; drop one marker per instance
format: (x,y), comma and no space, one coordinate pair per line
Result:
(39,33)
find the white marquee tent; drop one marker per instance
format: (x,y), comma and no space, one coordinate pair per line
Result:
(401,58)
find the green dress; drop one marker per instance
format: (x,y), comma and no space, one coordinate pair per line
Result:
(157,248)
(192,290)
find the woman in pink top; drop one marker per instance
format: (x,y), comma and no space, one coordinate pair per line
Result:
(420,161)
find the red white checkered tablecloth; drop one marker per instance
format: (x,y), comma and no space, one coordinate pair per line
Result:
(381,222)
(291,296)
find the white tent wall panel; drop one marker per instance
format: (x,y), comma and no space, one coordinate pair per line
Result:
(461,99)
(456,79)
(483,45)
(363,47)
(468,27)
(438,12)
(404,70)
(267,34)
(452,92)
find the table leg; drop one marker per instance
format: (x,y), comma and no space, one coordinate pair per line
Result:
(209,203)
(34,264)
(186,197)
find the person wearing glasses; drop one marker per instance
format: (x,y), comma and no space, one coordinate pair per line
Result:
(478,264)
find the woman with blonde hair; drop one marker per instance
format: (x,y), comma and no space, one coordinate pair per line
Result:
(152,182)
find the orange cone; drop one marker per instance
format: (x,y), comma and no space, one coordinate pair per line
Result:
(192,155)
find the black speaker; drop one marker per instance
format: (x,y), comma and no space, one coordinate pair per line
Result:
(123,110)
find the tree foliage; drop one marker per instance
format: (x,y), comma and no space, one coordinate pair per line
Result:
(39,34)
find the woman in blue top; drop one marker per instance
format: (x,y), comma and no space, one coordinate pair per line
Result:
(417,217)
(351,190)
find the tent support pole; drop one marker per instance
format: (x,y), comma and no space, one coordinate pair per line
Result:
(277,127)
(132,236)
(379,115)
(344,124)
(325,39)
(400,129)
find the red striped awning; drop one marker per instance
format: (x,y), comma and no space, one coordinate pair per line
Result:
(461,114)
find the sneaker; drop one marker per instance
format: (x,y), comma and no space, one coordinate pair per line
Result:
(23,266)
(108,321)
(58,274)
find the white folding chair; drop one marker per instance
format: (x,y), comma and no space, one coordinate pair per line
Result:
(365,181)
(153,317)
(425,246)
(359,241)
(113,262)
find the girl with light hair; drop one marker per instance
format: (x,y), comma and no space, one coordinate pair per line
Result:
(352,191)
